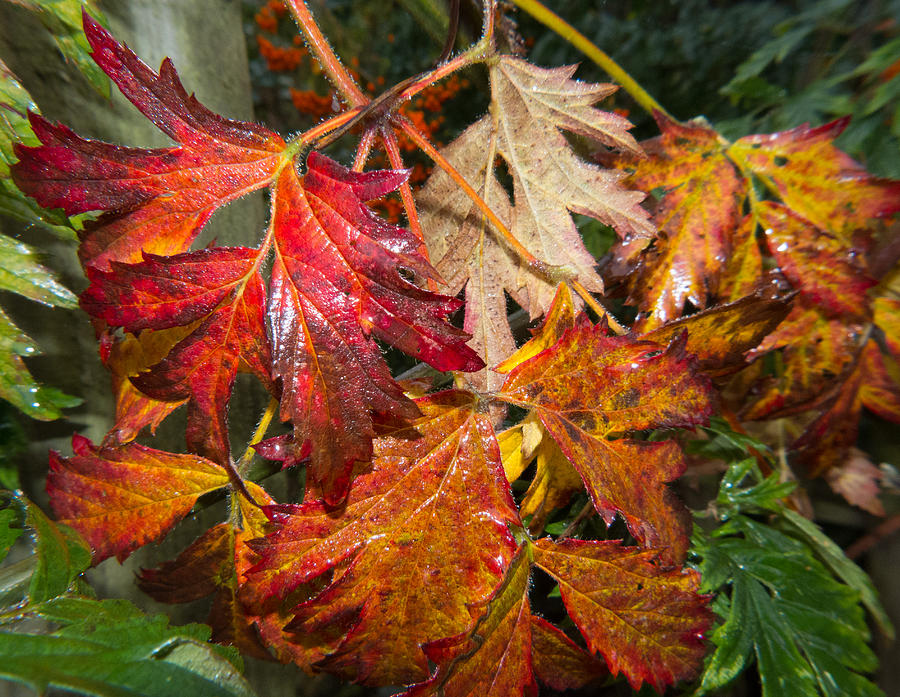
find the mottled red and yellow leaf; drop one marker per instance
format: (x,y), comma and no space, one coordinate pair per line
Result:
(421,539)
(155,201)
(121,498)
(699,195)
(495,659)
(589,387)
(646,622)
(816,180)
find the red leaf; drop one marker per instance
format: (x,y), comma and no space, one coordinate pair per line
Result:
(335,281)
(818,181)
(122,498)
(820,266)
(422,538)
(221,285)
(589,386)
(496,658)
(646,622)
(156,200)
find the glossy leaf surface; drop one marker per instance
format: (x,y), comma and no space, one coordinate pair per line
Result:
(421,539)
(110,648)
(156,201)
(120,498)
(335,286)
(646,622)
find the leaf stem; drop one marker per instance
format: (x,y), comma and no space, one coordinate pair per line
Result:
(553,273)
(553,21)
(258,434)
(326,56)
(601,311)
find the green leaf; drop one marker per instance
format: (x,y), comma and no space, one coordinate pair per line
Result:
(844,568)
(8,533)
(109,648)
(20,273)
(63,19)
(61,555)
(16,384)
(15,103)
(806,629)
(765,494)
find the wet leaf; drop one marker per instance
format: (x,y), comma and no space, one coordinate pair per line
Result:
(421,539)
(646,622)
(157,200)
(588,387)
(120,498)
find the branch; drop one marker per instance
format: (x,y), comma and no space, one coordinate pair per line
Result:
(590,49)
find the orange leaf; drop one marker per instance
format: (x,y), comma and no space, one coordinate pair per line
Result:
(699,208)
(647,623)
(818,181)
(588,387)
(496,658)
(121,498)
(421,539)
(720,337)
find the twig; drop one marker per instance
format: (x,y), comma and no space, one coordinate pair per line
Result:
(884,529)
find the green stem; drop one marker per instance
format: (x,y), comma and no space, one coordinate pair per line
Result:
(553,21)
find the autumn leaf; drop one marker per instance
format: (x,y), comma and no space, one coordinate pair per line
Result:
(127,358)
(209,567)
(554,481)
(558,662)
(700,194)
(496,658)
(220,286)
(721,337)
(816,180)
(533,106)
(820,266)
(589,386)
(156,201)
(336,282)
(817,353)
(121,498)
(421,539)
(646,622)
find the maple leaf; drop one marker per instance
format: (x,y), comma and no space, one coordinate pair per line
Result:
(588,386)
(701,194)
(507,649)
(816,180)
(213,565)
(496,658)
(646,622)
(220,286)
(121,498)
(335,281)
(155,200)
(821,267)
(422,538)
(533,106)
